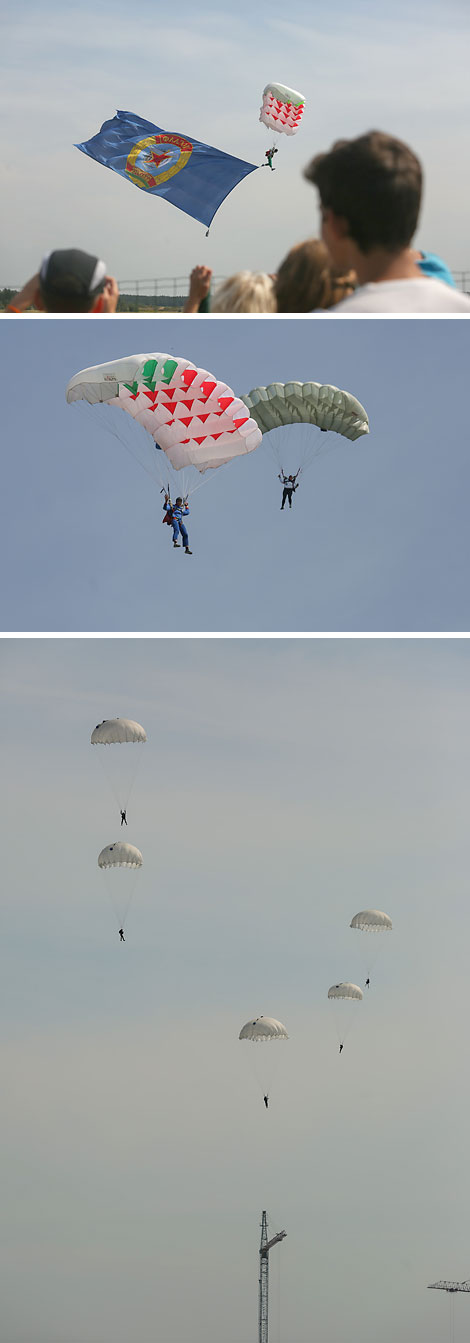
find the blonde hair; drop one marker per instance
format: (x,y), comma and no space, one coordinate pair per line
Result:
(247,291)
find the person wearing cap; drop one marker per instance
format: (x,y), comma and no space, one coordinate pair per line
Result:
(69,281)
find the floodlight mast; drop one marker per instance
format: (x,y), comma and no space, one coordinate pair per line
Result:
(451,1288)
(265,1246)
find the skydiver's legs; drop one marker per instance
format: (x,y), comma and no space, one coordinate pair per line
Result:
(184,534)
(290,498)
(175,525)
(285,495)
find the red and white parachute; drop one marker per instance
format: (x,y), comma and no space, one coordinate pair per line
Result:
(282,109)
(191,419)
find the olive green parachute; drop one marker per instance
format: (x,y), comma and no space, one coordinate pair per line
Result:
(295,419)
(327,407)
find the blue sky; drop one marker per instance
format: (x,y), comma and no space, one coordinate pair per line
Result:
(378,536)
(201,72)
(284,786)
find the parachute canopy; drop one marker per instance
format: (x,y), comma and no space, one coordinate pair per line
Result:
(345,991)
(281,109)
(325,406)
(264,1028)
(371,921)
(113,730)
(120,855)
(192,417)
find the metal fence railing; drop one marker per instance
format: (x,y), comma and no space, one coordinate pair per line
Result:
(169,292)
(164,294)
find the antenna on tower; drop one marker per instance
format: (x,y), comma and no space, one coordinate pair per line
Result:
(265,1246)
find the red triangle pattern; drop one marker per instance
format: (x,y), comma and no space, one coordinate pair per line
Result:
(188,376)
(208,387)
(225,401)
(238,423)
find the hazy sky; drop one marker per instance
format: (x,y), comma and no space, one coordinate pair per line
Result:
(378,536)
(284,787)
(201,72)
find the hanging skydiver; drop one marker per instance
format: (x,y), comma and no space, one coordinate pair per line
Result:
(123,817)
(289,487)
(121,934)
(266,1101)
(367,984)
(269,155)
(341,1048)
(174,514)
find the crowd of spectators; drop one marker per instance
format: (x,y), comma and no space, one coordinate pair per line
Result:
(369,190)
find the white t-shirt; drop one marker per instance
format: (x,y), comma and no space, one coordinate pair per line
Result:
(420,295)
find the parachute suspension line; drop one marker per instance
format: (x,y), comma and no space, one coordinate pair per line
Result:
(109,777)
(312,442)
(108,422)
(121,798)
(277,1329)
(120,907)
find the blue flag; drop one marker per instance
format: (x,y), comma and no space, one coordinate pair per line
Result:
(194,177)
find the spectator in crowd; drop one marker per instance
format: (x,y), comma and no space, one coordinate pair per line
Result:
(69,281)
(430,264)
(198,299)
(303,280)
(247,291)
(370,195)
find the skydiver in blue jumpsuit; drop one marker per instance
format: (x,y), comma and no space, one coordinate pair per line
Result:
(177,512)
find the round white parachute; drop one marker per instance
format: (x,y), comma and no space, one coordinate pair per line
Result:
(264,1028)
(371,921)
(113,730)
(345,991)
(120,855)
(281,109)
(344,997)
(193,420)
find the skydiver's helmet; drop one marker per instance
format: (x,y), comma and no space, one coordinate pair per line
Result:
(179,499)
